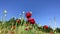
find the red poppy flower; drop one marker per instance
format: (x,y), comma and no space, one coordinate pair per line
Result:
(28,14)
(18,21)
(31,20)
(26,28)
(45,26)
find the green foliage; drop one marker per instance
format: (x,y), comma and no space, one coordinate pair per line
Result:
(58,30)
(20,27)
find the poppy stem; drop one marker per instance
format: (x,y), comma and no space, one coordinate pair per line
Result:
(12,26)
(16,28)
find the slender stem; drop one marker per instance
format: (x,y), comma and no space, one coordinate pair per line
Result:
(16,29)
(12,26)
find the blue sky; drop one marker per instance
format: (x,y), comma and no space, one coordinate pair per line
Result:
(42,10)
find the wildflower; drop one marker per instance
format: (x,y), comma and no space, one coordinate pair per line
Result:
(26,28)
(28,14)
(45,26)
(18,21)
(31,20)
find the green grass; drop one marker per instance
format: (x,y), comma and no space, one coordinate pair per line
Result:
(20,30)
